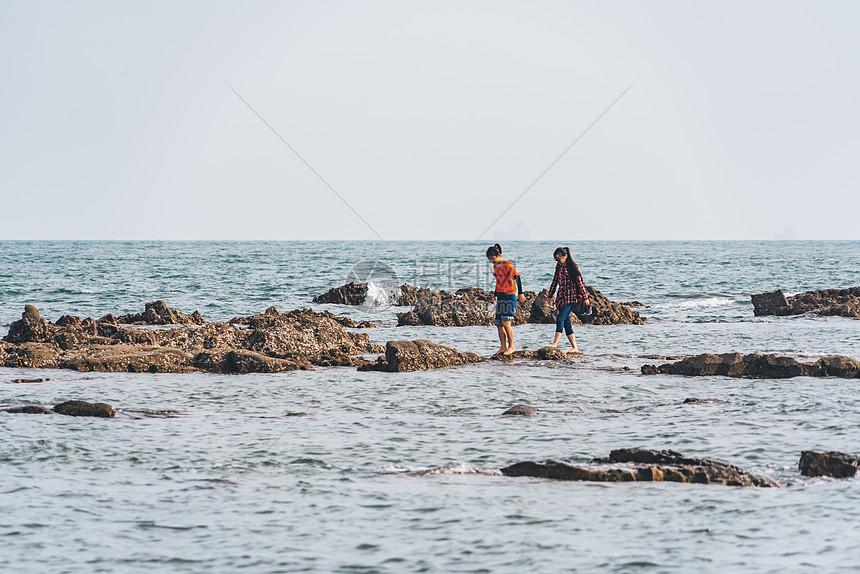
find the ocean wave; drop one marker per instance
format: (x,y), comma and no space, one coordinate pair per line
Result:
(697,303)
(378,296)
(454,468)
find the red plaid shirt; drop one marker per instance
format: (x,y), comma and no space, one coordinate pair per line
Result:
(568,291)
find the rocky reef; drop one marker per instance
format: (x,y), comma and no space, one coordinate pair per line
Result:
(69,408)
(642,465)
(832,463)
(841,302)
(757,366)
(468,306)
(419,355)
(269,342)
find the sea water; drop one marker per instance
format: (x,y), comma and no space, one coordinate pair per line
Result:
(336,470)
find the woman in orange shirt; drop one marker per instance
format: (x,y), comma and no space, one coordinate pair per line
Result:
(508,287)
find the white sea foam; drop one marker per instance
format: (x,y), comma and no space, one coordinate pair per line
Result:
(697,303)
(452,468)
(381,296)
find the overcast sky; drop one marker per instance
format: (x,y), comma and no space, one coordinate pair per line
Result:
(429,119)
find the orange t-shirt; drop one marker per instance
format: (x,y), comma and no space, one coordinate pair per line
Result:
(505,273)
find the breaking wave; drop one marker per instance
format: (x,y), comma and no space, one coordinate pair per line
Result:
(452,468)
(378,296)
(697,303)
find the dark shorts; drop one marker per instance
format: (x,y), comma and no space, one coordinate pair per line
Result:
(506,304)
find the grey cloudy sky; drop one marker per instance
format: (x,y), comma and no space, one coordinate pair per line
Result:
(429,118)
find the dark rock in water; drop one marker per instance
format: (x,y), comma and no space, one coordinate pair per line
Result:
(650,370)
(405,356)
(84,409)
(542,354)
(634,304)
(757,366)
(29,410)
(349,294)
(773,303)
(695,401)
(42,380)
(521,410)
(826,302)
(30,328)
(641,465)
(832,463)
(157,313)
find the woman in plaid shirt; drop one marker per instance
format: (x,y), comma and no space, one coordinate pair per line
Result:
(571,294)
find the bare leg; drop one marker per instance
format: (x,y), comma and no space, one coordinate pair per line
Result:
(556,339)
(503,344)
(572,340)
(509,331)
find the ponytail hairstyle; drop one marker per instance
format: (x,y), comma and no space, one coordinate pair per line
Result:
(494,250)
(572,268)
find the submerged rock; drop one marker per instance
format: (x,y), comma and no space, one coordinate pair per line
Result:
(757,366)
(832,463)
(826,302)
(84,409)
(524,410)
(29,410)
(419,355)
(542,354)
(642,465)
(687,401)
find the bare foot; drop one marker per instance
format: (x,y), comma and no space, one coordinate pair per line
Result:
(554,345)
(575,351)
(509,352)
(499,352)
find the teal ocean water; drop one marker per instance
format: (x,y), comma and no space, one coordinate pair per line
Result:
(397,472)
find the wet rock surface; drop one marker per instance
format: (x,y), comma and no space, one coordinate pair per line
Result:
(84,409)
(269,342)
(349,294)
(825,302)
(542,354)
(757,366)
(642,465)
(419,355)
(468,306)
(832,463)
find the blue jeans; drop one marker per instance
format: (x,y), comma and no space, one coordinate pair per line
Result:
(506,305)
(564,319)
